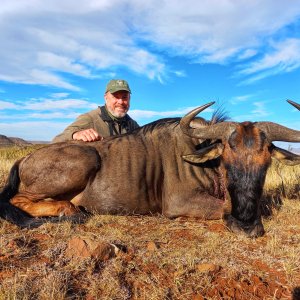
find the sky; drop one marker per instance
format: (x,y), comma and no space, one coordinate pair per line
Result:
(56,58)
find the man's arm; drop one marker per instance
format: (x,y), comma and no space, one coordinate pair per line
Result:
(80,129)
(87,135)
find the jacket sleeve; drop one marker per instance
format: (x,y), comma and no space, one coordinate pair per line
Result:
(82,122)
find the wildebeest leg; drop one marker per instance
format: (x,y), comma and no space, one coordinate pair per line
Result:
(43,208)
(52,177)
(203,206)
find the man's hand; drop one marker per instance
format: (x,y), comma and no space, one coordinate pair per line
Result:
(87,135)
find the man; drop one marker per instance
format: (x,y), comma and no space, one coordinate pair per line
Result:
(111,119)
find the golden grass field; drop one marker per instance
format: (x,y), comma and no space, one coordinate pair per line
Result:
(158,258)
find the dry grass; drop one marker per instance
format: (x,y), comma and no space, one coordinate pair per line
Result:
(9,155)
(283,180)
(33,264)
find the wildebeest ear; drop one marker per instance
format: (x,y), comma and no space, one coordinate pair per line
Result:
(205,154)
(286,157)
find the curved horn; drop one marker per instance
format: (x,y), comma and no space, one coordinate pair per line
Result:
(276,132)
(294,104)
(215,131)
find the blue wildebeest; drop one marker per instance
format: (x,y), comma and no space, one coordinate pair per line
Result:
(177,167)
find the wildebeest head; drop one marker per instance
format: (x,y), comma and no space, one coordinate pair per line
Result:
(245,151)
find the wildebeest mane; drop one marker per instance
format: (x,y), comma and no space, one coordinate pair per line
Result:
(148,128)
(219,115)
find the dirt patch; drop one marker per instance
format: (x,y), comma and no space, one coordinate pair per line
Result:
(157,258)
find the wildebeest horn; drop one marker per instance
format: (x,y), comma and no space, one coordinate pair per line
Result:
(276,132)
(215,131)
(294,104)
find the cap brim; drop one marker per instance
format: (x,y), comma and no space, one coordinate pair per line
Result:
(118,89)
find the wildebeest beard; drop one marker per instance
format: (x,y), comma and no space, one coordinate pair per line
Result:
(245,190)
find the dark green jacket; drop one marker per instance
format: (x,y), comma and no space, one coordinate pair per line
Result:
(93,119)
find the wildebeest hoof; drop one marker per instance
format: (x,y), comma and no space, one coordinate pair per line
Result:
(250,230)
(68,210)
(256,231)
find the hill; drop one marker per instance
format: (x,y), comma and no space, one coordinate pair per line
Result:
(295,150)
(12,141)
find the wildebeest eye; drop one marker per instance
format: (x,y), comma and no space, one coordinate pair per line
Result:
(263,140)
(232,140)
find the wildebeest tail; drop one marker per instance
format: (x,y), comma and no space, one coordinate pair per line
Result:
(12,185)
(8,211)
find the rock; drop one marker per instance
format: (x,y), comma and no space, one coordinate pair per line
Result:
(81,248)
(216,227)
(152,246)
(208,268)
(197,297)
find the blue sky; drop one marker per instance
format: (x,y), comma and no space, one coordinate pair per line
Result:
(57,56)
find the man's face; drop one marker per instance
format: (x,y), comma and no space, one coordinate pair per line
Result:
(117,103)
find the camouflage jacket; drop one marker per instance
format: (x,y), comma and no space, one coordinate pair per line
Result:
(101,122)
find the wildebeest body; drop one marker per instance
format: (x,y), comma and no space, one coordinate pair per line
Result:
(128,174)
(178,167)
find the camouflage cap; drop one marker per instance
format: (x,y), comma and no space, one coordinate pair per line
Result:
(116,85)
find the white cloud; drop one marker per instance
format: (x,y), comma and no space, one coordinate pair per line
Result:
(7,105)
(49,79)
(59,115)
(248,53)
(259,112)
(59,95)
(96,36)
(33,130)
(62,64)
(260,109)
(213,30)
(180,73)
(147,114)
(239,99)
(285,57)
(90,40)
(49,105)
(40,77)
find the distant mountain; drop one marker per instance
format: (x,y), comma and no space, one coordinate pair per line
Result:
(295,150)
(12,141)
(39,142)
